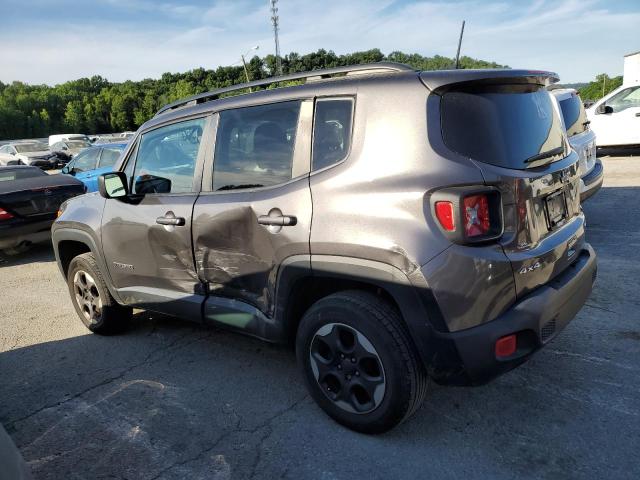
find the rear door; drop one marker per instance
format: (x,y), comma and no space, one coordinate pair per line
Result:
(147,241)
(256,212)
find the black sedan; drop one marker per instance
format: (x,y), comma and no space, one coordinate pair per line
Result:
(29,202)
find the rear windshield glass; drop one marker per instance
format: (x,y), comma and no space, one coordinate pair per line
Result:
(575,119)
(19,173)
(512,126)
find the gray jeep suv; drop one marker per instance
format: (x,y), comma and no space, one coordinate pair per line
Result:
(396,225)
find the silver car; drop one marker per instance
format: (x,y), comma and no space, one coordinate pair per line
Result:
(582,140)
(34,154)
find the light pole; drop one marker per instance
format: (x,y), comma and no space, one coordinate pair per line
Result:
(244,64)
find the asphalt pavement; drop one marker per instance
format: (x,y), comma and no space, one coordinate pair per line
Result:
(172,400)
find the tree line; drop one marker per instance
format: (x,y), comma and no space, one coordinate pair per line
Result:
(95,105)
(601,86)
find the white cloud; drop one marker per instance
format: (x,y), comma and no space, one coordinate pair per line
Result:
(578,39)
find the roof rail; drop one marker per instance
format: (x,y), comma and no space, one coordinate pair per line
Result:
(379,67)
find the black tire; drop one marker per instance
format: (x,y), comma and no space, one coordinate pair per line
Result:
(104,315)
(362,323)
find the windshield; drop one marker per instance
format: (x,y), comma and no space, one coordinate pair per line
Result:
(575,119)
(78,144)
(31,147)
(512,126)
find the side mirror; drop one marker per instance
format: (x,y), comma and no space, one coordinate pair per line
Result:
(66,170)
(604,109)
(113,185)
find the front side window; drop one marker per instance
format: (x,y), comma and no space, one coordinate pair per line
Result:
(575,118)
(255,146)
(86,160)
(627,98)
(331,131)
(166,158)
(109,156)
(513,126)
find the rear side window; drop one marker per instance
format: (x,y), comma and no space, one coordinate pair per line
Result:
(166,158)
(575,118)
(512,126)
(255,146)
(331,131)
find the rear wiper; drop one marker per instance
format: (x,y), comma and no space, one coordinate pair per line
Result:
(547,154)
(236,187)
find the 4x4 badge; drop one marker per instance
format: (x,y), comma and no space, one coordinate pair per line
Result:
(530,268)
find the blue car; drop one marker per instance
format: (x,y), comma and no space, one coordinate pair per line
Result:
(87,165)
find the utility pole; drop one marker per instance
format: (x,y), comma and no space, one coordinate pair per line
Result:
(244,64)
(274,21)
(459,45)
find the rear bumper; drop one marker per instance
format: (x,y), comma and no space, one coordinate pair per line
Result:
(536,319)
(592,181)
(34,232)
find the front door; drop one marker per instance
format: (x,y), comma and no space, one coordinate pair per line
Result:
(257,212)
(147,239)
(622,126)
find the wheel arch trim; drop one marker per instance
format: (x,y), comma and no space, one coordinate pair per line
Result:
(60,235)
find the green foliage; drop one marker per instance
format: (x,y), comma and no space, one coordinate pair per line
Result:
(95,105)
(601,86)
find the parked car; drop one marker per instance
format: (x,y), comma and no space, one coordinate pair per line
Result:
(90,163)
(65,150)
(33,154)
(60,137)
(398,226)
(615,118)
(29,201)
(582,140)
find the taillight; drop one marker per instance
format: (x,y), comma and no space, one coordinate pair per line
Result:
(476,215)
(445,215)
(4,215)
(468,215)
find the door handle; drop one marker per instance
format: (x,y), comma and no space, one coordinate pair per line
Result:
(280,220)
(638,114)
(170,220)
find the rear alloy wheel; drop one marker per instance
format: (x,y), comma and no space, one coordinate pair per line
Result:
(347,367)
(95,306)
(358,361)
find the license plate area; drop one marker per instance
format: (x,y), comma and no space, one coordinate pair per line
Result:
(556,209)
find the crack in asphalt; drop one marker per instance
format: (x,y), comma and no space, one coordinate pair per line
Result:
(236,430)
(600,308)
(147,360)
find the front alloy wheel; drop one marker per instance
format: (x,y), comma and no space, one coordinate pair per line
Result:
(87,296)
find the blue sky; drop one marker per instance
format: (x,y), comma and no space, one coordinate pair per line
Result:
(50,42)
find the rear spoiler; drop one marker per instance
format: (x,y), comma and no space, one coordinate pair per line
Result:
(439,78)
